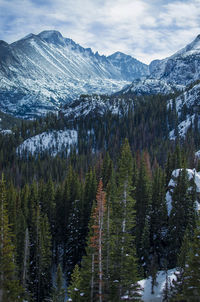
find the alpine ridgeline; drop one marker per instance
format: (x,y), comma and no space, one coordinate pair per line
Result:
(40,72)
(171,74)
(43,72)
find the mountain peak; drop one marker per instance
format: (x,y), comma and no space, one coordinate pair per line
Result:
(3,43)
(118,55)
(52,36)
(198,37)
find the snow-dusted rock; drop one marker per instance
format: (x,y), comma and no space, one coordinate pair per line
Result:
(192,173)
(170,74)
(197,154)
(96,105)
(182,128)
(187,107)
(182,68)
(6,132)
(53,142)
(40,72)
(150,86)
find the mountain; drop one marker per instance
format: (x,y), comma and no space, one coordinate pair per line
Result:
(172,73)
(182,68)
(128,66)
(187,110)
(40,72)
(148,86)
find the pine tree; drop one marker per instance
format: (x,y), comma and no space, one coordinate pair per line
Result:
(39,282)
(123,265)
(183,212)
(177,285)
(10,289)
(92,280)
(167,289)
(142,206)
(191,277)
(74,289)
(158,217)
(59,291)
(75,240)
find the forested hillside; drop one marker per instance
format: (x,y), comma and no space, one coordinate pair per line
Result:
(92,214)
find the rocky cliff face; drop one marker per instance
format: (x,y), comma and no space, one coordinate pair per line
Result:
(40,72)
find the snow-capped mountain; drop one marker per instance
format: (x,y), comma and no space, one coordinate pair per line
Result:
(128,66)
(182,68)
(172,73)
(40,72)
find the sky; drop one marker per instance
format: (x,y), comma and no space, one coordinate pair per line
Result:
(144,29)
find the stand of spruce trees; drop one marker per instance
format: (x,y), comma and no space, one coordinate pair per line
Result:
(96,220)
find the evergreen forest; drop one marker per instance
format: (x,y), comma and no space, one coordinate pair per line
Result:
(88,224)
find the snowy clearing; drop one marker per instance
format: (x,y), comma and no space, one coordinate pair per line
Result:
(147,296)
(53,142)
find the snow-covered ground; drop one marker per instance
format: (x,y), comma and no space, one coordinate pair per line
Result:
(147,296)
(96,105)
(53,142)
(182,127)
(188,102)
(6,131)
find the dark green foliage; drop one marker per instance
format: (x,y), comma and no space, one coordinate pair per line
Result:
(182,214)
(49,201)
(59,291)
(142,206)
(10,289)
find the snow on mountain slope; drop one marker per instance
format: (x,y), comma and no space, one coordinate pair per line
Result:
(147,296)
(187,107)
(40,72)
(181,68)
(96,105)
(128,66)
(149,87)
(53,142)
(172,183)
(190,98)
(170,74)
(182,128)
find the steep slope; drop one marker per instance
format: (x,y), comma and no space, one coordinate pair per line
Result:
(128,66)
(52,142)
(181,68)
(187,109)
(148,87)
(96,105)
(170,74)
(40,72)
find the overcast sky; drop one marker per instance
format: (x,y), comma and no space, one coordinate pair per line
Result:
(145,29)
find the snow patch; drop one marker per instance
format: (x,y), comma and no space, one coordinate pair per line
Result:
(53,142)
(147,296)
(192,174)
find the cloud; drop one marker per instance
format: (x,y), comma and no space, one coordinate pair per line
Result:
(144,29)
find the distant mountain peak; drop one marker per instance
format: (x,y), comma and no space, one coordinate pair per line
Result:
(52,36)
(49,33)
(3,43)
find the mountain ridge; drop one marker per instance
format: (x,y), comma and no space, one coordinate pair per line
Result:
(41,72)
